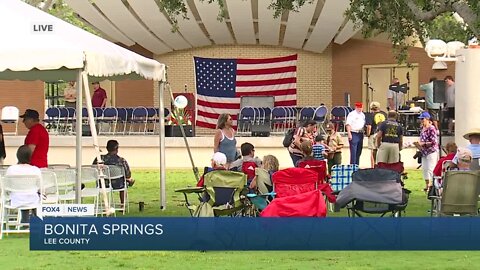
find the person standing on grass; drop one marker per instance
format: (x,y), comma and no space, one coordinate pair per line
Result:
(428,146)
(372,120)
(335,144)
(37,138)
(389,139)
(304,133)
(355,124)
(224,140)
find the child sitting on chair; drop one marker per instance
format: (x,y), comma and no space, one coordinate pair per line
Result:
(219,160)
(247,163)
(269,164)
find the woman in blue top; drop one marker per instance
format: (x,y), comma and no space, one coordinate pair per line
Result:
(224,140)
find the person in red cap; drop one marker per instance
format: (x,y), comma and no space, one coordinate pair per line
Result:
(37,138)
(355,125)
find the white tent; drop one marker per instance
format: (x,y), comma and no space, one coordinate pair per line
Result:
(38,46)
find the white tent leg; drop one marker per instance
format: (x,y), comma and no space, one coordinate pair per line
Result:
(78,136)
(91,122)
(161,136)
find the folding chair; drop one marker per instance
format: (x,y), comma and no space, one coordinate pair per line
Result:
(459,195)
(341,176)
(10,115)
(222,191)
(139,118)
(306,113)
(49,187)
(374,191)
(320,116)
(52,119)
(17,185)
(279,120)
(109,119)
(338,117)
(118,182)
(246,119)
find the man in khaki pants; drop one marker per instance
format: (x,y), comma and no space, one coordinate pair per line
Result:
(389,139)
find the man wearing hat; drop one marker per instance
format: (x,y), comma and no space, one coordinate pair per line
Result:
(355,124)
(99,98)
(474,137)
(372,121)
(37,138)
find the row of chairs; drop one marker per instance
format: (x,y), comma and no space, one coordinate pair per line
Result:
(57,185)
(282,118)
(113,121)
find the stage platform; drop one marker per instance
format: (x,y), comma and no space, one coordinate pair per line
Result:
(143,151)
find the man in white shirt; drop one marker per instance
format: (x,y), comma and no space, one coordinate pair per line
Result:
(394,99)
(24,199)
(355,124)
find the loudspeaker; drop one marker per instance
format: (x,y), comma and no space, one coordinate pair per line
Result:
(262,130)
(439,91)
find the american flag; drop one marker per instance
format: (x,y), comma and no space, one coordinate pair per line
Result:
(221,83)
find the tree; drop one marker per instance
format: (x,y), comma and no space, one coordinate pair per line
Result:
(423,19)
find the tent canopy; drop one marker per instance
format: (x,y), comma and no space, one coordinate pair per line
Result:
(39,46)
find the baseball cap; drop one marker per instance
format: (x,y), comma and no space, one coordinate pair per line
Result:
(219,158)
(464,154)
(29,113)
(375,105)
(425,115)
(358,104)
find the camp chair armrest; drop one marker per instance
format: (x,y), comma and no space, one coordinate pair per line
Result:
(190,190)
(252,195)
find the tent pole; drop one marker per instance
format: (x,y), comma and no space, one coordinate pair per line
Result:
(78,137)
(93,130)
(161,137)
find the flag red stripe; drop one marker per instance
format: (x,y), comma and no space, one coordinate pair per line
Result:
(218,105)
(206,125)
(286,103)
(267,60)
(266,82)
(266,71)
(214,115)
(268,93)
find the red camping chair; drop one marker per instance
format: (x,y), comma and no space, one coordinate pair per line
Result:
(293,181)
(320,166)
(307,204)
(397,167)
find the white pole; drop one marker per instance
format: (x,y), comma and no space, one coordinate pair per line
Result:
(161,137)
(93,130)
(467,110)
(78,137)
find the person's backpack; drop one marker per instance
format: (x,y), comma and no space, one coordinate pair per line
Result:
(287,140)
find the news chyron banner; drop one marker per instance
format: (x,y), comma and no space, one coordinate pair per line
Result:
(175,233)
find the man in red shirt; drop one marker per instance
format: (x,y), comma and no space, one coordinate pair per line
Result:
(37,138)
(99,98)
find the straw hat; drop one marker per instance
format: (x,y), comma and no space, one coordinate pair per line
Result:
(471,132)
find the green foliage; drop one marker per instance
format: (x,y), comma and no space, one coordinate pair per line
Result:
(447,28)
(403,20)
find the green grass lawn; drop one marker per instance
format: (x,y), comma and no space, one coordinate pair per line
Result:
(16,255)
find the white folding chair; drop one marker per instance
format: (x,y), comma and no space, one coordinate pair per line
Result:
(49,188)
(117,173)
(10,115)
(11,213)
(66,184)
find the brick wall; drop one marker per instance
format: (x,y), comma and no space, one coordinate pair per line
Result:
(132,93)
(23,95)
(314,71)
(348,59)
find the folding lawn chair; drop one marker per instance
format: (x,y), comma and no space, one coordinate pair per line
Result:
(374,191)
(459,195)
(222,193)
